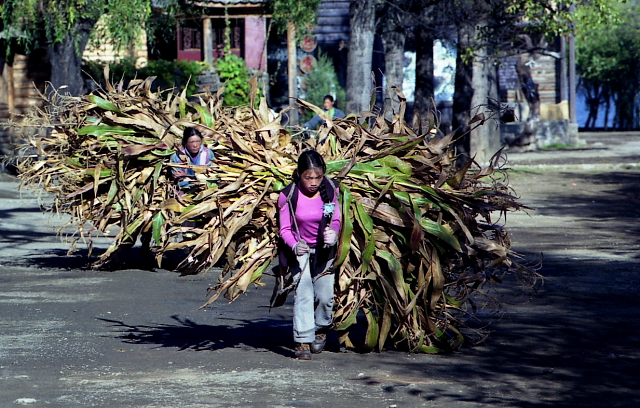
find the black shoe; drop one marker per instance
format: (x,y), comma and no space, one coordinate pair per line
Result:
(302,351)
(318,344)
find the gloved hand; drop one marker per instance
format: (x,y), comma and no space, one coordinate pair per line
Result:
(330,236)
(301,248)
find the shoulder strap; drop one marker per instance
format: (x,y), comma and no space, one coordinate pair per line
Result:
(292,201)
(334,188)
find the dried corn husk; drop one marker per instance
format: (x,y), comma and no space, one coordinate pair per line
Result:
(418,236)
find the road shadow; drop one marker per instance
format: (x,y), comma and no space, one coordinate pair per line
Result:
(607,205)
(574,344)
(80,259)
(264,334)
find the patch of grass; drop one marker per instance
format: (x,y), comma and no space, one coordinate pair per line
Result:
(557,146)
(523,170)
(561,146)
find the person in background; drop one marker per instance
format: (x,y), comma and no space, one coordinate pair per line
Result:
(328,103)
(193,152)
(309,220)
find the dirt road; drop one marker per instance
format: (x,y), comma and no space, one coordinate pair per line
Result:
(71,337)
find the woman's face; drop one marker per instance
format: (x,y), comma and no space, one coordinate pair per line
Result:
(310,180)
(193,144)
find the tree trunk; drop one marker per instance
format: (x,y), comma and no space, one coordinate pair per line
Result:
(66,59)
(292,72)
(361,36)
(463,92)
(423,102)
(607,106)
(393,39)
(484,140)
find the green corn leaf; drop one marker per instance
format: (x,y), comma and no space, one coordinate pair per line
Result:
(430,350)
(101,130)
(104,104)
(396,272)
(205,115)
(350,320)
(113,190)
(452,301)
(163,153)
(396,162)
(158,222)
(459,337)
(373,330)
(441,232)
(73,162)
(370,249)
(336,165)
(103,173)
(156,175)
(133,228)
(385,327)
(366,222)
(278,185)
(260,270)
(346,199)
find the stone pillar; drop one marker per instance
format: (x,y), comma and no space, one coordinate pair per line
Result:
(255,28)
(207,41)
(292,72)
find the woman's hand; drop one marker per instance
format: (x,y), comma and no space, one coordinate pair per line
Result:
(330,236)
(301,248)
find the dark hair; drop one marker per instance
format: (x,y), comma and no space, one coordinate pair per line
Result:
(311,159)
(188,132)
(329,97)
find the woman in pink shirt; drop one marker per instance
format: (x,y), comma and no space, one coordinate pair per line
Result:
(309,224)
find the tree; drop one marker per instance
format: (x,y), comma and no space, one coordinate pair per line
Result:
(393,40)
(323,81)
(64,27)
(361,35)
(494,28)
(424,90)
(397,19)
(608,62)
(296,17)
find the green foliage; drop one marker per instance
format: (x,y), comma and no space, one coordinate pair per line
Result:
(29,21)
(302,13)
(555,17)
(122,22)
(608,60)
(177,73)
(234,74)
(321,81)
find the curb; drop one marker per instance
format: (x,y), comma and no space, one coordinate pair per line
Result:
(581,166)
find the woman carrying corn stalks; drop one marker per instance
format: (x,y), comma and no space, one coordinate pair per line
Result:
(309,224)
(194,153)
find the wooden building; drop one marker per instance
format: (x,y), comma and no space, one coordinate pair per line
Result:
(333,22)
(202,38)
(22,81)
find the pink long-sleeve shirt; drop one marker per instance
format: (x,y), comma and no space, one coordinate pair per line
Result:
(308,217)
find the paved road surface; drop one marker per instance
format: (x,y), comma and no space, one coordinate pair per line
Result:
(71,337)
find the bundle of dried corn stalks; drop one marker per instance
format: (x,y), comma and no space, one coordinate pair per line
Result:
(418,238)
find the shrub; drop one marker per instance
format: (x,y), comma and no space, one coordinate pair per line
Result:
(234,76)
(323,81)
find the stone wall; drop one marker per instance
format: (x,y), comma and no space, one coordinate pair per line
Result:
(533,135)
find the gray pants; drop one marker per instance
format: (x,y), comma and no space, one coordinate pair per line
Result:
(313,302)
